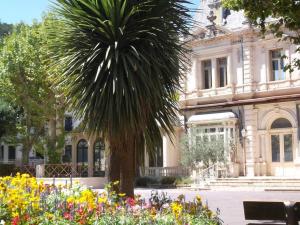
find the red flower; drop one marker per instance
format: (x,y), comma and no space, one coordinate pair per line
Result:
(27,217)
(130,201)
(15,220)
(80,210)
(67,216)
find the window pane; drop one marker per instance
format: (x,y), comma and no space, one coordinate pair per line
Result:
(222,77)
(207,63)
(276,53)
(68,154)
(212,130)
(213,137)
(277,65)
(221,137)
(11,153)
(275,69)
(82,151)
(68,123)
(281,123)
(288,148)
(156,159)
(275,148)
(2,153)
(282,69)
(206,80)
(207,73)
(222,64)
(99,161)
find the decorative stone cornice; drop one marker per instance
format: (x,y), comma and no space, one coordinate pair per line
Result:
(227,35)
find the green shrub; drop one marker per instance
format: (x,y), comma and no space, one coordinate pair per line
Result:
(7,170)
(183,181)
(145,181)
(167,180)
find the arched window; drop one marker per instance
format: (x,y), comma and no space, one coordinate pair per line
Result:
(281,123)
(82,152)
(281,142)
(99,158)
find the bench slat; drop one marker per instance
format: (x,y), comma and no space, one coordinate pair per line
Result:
(297,210)
(255,210)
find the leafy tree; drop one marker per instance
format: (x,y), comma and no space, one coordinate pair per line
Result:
(122,61)
(285,23)
(25,82)
(5,29)
(8,119)
(201,147)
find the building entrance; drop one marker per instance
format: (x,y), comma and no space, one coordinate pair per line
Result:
(282,155)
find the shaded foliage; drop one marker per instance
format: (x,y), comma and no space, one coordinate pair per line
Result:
(5,29)
(8,119)
(281,17)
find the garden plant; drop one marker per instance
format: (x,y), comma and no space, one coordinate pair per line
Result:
(24,200)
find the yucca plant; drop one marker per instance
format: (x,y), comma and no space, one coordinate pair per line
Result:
(122,63)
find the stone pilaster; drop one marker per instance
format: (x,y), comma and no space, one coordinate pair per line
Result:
(191,78)
(90,157)
(250,139)
(214,72)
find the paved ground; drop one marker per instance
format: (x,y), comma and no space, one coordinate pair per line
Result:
(229,202)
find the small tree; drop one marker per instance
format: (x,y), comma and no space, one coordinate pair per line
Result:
(199,146)
(27,84)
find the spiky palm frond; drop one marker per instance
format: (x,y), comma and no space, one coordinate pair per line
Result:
(122,62)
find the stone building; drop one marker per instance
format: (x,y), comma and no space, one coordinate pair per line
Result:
(237,87)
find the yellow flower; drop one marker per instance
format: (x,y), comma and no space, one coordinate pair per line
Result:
(176,209)
(121,194)
(15,214)
(116,182)
(198,198)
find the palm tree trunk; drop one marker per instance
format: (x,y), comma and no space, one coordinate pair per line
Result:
(128,170)
(114,166)
(127,173)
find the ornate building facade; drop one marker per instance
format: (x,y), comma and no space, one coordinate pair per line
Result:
(237,87)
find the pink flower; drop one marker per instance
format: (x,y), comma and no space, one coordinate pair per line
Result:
(130,201)
(67,216)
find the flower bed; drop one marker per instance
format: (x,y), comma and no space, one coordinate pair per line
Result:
(24,201)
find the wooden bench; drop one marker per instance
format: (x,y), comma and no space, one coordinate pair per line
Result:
(272,213)
(297,211)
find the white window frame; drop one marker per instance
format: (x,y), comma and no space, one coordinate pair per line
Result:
(209,70)
(225,69)
(282,74)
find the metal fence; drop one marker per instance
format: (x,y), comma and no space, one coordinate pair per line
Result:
(166,171)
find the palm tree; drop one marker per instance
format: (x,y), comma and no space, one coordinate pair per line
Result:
(123,61)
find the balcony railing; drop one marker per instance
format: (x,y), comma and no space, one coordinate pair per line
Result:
(165,171)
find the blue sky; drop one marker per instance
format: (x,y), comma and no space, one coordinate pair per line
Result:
(14,11)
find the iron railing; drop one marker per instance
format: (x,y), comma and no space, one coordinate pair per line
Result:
(205,176)
(165,171)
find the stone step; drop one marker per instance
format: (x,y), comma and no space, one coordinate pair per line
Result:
(269,183)
(256,182)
